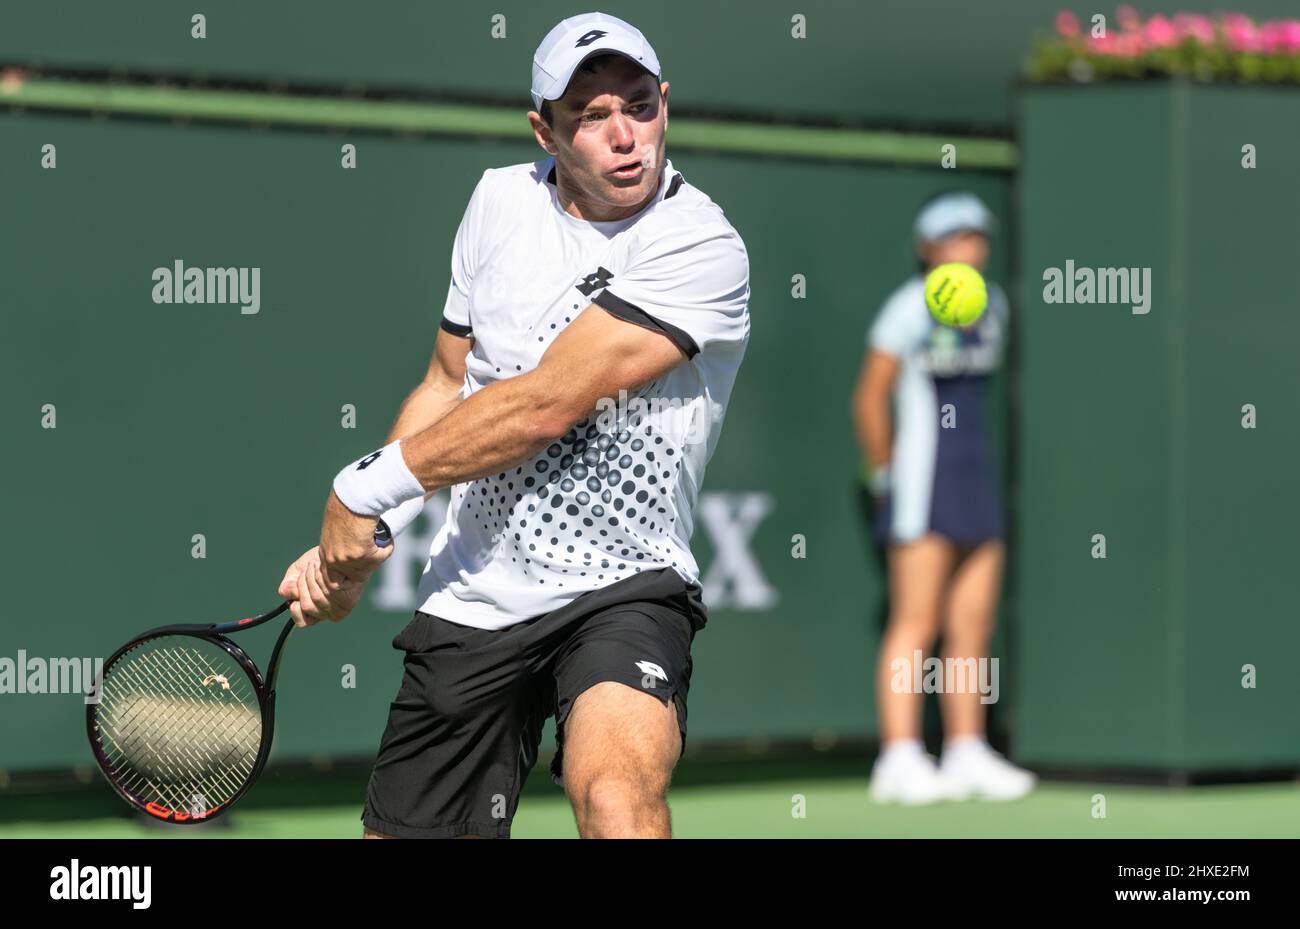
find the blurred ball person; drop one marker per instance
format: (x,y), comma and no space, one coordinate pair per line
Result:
(937,512)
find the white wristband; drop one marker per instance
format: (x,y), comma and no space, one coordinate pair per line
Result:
(399,517)
(377,482)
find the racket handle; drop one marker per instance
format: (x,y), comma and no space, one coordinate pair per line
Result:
(383,537)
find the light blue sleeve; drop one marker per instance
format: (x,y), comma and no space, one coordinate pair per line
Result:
(998,303)
(903,323)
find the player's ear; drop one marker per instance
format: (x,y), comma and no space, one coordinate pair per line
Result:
(541,132)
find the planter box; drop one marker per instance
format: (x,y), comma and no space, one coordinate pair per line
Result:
(1130,426)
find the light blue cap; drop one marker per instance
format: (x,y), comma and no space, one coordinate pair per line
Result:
(951,213)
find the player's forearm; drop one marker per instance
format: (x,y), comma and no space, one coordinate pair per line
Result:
(494,429)
(875,429)
(425,405)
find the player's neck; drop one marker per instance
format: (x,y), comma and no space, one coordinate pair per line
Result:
(580,207)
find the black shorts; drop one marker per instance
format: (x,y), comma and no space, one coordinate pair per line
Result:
(466,726)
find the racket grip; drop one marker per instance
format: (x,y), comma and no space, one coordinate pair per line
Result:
(383,537)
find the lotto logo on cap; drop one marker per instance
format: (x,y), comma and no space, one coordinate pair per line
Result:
(581,37)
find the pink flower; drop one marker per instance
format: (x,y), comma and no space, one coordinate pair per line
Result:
(1128,18)
(1240,32)
(1067,24)
(1269,40)
(1290,35)
(1160,32)
(1130,44)
(1118,44)
(1194,26)
(1102,45)
(1279,36)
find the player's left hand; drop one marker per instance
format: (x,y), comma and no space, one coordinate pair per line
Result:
(313,595)
(347,543)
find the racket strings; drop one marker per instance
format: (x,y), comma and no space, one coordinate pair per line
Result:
(180,724)
(216,743)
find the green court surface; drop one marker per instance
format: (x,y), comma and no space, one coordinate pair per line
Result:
(836,808)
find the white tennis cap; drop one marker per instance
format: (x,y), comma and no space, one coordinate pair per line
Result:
(950,213)
(578,38)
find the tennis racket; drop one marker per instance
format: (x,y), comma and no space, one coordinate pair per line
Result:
(185,719)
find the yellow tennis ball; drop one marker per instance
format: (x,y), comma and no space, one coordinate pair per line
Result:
(955,294)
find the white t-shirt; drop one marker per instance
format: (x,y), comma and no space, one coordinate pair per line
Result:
(615,495)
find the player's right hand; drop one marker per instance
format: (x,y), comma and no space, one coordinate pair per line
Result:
(314,594)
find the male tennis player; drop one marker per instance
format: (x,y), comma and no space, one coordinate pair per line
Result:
(595,322)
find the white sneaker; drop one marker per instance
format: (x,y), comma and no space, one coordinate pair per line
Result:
(973,769)
(907,775)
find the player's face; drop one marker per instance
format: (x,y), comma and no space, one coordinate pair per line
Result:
(608,139)
(970,248)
